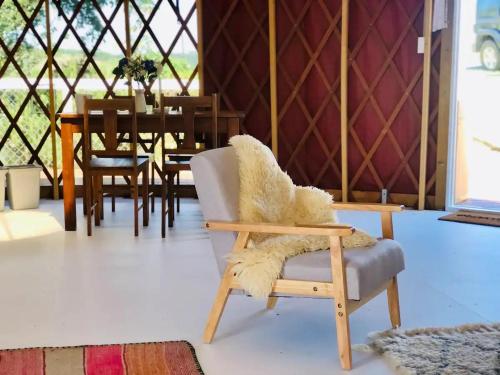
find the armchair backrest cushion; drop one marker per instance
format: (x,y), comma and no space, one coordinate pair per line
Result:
(216,178)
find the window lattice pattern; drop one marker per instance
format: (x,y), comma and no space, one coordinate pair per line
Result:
(24,114)
(88,39)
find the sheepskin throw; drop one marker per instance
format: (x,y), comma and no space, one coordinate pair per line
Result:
(268,195)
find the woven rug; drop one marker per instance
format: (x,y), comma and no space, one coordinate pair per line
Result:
(168,358)
(470,349)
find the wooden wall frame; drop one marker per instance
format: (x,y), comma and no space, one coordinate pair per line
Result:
(422,181)
(385,98)
(128,45)
(444,114)
(52,102)
(200,46)
(335,290)
(273,77)
(407,179)
(266,97)
(344,84)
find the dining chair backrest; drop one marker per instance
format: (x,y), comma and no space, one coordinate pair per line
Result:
(150,98)
(109,109)
(217,182)
(189,106)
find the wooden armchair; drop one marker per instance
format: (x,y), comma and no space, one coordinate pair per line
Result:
(350,278)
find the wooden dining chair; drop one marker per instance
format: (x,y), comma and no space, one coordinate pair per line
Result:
(148,145)
(350,278)
(111,161)
(175,160)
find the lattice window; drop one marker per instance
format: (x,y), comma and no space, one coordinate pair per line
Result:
(150,22)
(88,39)
(79,34)
(236,57)
(24,115)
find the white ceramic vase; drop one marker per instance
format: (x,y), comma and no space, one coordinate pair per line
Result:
(140,100)
(79,100)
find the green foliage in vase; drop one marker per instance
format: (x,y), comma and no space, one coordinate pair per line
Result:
(138,69)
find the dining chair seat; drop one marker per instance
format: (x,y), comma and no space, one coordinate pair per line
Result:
(367,268)
(176,166)
(179,157)
(119,162)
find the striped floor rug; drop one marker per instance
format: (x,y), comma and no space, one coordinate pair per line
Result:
(170,358)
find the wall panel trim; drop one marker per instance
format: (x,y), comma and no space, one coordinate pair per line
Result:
(424,135)
(344,86)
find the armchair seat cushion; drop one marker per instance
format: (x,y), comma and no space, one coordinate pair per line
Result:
(366,268)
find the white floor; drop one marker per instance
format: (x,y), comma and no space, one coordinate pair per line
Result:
(61,288)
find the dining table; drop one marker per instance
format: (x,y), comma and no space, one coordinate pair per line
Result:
(228,124)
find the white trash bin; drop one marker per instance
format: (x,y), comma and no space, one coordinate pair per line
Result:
(3,174)
(23,186)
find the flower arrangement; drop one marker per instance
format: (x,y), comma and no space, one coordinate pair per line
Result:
(138,69)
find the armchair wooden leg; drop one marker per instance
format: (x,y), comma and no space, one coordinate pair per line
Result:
(218,307)
(271,302)
(343,338)
(393,302)
(341,312)
(135,194)
(223,292)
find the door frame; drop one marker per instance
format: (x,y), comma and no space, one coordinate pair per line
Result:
(450,204)
(452,135)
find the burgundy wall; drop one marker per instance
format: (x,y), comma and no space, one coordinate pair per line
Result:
(308,49)
(385,86)
(237,60)
(385,96)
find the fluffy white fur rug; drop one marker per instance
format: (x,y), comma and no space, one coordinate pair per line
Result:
(463,350)
(268,195)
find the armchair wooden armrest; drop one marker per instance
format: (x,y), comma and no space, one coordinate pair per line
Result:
(314,230)
(368,207)
(385,210)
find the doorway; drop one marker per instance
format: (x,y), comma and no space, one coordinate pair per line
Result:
(474,159)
